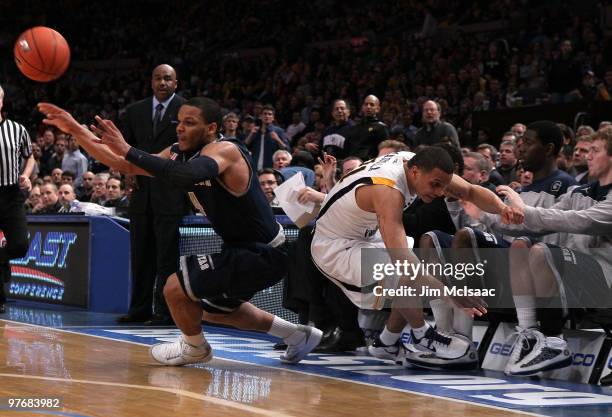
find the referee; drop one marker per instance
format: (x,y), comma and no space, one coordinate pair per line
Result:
(14,145)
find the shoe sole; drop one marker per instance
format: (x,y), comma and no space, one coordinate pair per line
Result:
(384,356)
(207,358)
(557,365)
(424,349)
(448,366)
(313,341)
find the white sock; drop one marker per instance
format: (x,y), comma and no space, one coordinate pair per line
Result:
(389,338)
(462,323)
(284,329)
(195,340)
(419,332)
(526,311)
(443,315)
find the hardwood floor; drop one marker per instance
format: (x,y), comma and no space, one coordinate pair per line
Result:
(106,378)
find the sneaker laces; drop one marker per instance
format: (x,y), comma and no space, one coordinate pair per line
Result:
(438,337)
(521,336)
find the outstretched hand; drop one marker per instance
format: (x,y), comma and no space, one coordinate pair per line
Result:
(58,117)
(110,136)
(472,306)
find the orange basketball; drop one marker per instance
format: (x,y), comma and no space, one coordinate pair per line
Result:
(42,54)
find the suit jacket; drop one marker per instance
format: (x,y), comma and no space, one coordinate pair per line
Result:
(154,195)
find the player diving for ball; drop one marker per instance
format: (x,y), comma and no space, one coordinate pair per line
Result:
(360,223)
(219,178)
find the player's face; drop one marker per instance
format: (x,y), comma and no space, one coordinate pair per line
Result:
(533,153)
(163,82)
(430,184)
(192,131)
(600,163)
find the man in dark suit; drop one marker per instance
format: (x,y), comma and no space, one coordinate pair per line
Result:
(150,124)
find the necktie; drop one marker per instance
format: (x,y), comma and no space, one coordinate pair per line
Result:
(157,117)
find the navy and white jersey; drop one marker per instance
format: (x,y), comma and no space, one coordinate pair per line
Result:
(545,191)
(580,220)
(237,218)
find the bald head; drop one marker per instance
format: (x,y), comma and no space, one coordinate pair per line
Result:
(370,106)
(163,82)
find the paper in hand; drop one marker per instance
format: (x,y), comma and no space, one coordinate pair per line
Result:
(287,196)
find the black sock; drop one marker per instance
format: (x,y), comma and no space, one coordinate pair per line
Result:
(550,315)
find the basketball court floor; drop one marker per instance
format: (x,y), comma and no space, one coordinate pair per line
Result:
(86,366)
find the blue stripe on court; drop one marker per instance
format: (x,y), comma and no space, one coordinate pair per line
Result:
(546,397)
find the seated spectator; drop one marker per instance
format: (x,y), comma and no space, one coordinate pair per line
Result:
(56,176)
(269,180)
(98,195)
(584,130)
(84,191)
(115,196)
(390,146)
(303,162)
(50,199)
(490,154)
(68,177)
(507,161)
(526,178)
(476,170)
(281,159)
(66,196)
(350,163)
(579,159)
(34,202)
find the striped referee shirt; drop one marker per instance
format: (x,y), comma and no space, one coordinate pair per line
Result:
(14,143)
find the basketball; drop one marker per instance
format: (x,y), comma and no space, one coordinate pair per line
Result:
(42,54)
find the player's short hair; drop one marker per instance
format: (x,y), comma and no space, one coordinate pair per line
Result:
(211,112)
(548,132)
(605,135)
(432,157)
(455,154)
